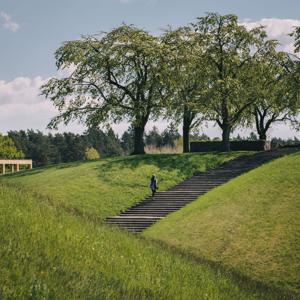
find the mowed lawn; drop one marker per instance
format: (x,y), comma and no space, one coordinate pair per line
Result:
(250,225)
(54,244)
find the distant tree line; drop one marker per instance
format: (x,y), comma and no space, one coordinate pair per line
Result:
(65,147)
(214,69)
(46,149)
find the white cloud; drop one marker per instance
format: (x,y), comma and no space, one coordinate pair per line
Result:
(8,23)
(277,29)
(22,106)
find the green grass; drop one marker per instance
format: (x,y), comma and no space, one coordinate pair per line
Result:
(55,245)
(49,254)
(250,225)
(103,188)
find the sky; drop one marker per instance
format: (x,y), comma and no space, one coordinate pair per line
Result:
(31,31)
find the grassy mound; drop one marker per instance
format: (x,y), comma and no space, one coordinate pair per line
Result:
(54,244)
(47,253)
(103,188)
(250,225)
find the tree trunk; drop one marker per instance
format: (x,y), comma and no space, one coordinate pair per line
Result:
(138,145)
(263,135)
(261,125)
(186,129)
(186,138)
(225,137)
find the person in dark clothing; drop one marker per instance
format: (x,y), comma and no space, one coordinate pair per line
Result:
(153,184)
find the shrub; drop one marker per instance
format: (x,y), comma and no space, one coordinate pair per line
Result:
(8,149)
(91,154)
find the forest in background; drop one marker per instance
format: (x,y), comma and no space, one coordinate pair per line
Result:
(45,149)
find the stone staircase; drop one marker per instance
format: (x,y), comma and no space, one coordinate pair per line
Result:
(150,210)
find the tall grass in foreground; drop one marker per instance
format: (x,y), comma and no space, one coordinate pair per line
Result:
(47,253)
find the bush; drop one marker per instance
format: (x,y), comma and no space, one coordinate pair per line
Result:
(8,149)
(91,154)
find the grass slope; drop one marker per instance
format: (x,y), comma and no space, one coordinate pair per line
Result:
(251,224)
(53,244)
(103,188)
(49,254)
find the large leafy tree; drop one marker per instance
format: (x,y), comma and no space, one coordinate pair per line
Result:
(185,80)
(272,89)
(116,77)
(229,51)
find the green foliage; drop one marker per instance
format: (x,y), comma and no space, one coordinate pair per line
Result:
(229,50)
(250,224)
(8,149)
(186,79)
(127,140)
(66,147)
(116,77)
(210,70)
(91,154)
(276,99)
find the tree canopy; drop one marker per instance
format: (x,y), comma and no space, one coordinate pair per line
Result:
(229,50)
(214,69)
(271,89)
(185,79)
(116,77)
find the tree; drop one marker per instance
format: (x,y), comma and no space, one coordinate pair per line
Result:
(170,135)
(91,154)
(252,137)
(229,51)
(185,79)
(117,76)
(127,140)
(105,142)
(8,149)
(154,138)
(275,100)
(65,147)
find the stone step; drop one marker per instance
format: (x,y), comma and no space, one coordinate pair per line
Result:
(164,202)
(157,213)
(149,209)
(163,206)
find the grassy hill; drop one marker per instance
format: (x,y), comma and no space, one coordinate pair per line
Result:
(55,245)
(102,188)
(250,225)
